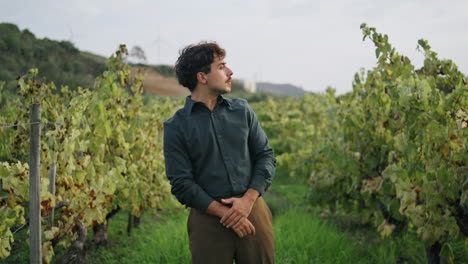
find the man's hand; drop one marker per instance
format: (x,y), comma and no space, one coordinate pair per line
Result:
(241,208)
(244,228)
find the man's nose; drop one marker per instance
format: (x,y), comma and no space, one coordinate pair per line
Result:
(229,71)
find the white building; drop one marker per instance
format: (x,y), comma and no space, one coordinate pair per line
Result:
(250,86)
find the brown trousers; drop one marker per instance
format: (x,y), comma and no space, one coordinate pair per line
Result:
(210,242)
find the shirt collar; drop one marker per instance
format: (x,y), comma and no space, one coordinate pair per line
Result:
(189,103)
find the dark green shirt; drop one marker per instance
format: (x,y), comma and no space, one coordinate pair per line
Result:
(218,154)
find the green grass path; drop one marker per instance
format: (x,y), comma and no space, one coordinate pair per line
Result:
(300,237)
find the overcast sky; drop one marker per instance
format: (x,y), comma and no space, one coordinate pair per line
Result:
(311,44)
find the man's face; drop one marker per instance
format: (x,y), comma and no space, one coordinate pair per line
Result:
(219,78)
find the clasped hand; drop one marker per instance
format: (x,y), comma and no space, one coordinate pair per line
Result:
(236,217)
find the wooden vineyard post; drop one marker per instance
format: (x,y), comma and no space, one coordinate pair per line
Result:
(52,191)
(34,186)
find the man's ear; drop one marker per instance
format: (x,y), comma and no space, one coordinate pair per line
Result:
(201,77)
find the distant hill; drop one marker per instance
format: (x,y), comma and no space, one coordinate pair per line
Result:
(156,83)
(64,64)
(280,89)
(58,61)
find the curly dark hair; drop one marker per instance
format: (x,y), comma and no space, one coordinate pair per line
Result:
(194,59)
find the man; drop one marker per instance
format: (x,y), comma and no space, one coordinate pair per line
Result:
(219,163)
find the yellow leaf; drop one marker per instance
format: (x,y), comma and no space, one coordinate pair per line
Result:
(385,229)
(52,233)
(47,252)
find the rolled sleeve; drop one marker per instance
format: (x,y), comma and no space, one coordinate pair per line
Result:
(180,173)
(262,155)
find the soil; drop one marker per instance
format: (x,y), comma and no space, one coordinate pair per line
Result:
(155,83)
